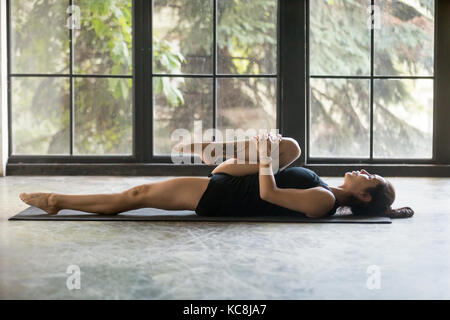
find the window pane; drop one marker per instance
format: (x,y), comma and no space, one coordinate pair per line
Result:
(403,118)
(246,103)
(183,36)
(178,102)
(247,37)
(103,44)
(339,118)
(103,116)
(339,37)
(40,116)
(39,36)
(405,40)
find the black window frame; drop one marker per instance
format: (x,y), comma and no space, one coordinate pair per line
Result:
(371,78)
(295,58)
(71,77)
(292,102)
(142,26)
(149,157)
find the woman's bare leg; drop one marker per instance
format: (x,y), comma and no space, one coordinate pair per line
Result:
(172,194)
(289,151)
(243,151)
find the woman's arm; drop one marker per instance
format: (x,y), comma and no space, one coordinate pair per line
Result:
(289,151)
(313,202)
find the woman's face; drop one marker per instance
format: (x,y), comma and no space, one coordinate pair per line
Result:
(358,181)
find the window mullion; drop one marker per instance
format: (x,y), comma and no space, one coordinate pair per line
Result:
(293,113)
(71,88)
(140,76)
(372,43)
(214,67)
(441,126)
(148,106)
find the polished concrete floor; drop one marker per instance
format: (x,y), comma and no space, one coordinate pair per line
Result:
(192,260)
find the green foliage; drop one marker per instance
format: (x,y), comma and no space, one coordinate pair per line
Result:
(167,57)
(246,44)
(340,45)
(246,34)
(106,30)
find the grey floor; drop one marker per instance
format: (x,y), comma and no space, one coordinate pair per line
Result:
(191,260)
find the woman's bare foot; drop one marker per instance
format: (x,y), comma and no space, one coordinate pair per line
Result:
(42,201)
(206,150)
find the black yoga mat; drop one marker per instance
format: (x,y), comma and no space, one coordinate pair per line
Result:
(149,214)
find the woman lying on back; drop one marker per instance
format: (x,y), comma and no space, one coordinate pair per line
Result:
(238,187)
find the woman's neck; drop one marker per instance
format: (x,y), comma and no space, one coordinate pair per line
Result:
(341,195)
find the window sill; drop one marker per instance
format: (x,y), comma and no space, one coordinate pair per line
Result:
(153,169)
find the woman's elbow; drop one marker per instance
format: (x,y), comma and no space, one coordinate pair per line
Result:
(292,148)
(315,215)
(266,195)
(263,195)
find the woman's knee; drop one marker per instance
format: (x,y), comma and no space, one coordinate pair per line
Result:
(224,166)
(135,193)
(290,148)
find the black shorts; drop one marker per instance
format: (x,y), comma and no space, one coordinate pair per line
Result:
(231,196)
(228,196)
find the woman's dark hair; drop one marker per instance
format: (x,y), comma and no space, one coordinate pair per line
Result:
(383,195)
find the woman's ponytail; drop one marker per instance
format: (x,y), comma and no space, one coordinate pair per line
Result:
(405,212)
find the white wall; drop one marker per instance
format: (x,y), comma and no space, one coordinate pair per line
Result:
(3,91)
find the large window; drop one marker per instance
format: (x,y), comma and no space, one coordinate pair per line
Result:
(371,79)
(109,81)
(214,62)
(72,88)
(71,77)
